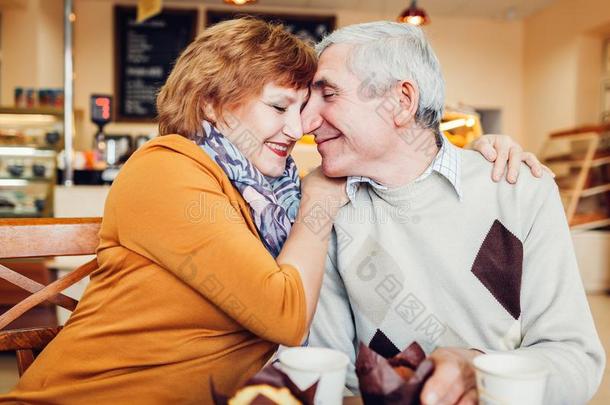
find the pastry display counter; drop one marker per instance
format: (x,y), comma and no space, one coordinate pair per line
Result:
(29,142)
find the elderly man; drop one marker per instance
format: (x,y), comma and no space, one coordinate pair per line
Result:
(430,249)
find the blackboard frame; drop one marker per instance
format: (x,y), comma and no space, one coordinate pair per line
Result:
(212,15)
(119,63)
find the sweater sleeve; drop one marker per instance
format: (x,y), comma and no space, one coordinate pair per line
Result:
(557,325)
(333,323)
(170,209)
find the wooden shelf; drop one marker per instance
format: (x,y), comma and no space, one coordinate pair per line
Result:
(600,159)
(37,111)
(588,192)
(589,221)
(582,181)
(600,129)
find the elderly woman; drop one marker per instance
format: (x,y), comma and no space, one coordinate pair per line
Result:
(206,262)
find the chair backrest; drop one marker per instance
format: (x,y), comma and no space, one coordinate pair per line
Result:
(35,238)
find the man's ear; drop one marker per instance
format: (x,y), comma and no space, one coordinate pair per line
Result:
(408,100)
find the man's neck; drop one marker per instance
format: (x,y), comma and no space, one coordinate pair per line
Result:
(412,154)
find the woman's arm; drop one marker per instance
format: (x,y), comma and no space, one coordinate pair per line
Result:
(504,151)
(171,210)
(307,245)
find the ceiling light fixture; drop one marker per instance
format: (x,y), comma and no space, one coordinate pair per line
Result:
(239,2)
(414,15)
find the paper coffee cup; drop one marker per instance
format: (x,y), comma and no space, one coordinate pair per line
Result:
(306,365)
(510,379)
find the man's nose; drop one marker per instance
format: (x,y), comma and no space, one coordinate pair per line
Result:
(310,116)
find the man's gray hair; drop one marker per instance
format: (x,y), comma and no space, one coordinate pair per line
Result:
(387,52)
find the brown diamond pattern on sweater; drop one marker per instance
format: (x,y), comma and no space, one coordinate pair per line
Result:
(383,345)
(499,266)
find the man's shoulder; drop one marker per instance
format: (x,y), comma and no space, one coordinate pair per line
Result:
(477,171)
(515,205)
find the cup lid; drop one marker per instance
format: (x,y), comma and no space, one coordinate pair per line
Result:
(318,359)
(509,365)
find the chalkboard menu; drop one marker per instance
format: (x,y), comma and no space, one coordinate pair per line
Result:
(144,55)
(310,28)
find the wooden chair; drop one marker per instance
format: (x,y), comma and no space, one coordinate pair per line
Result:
(35,238)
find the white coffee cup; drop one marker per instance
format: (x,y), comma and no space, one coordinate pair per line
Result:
(510,379)
(306,365)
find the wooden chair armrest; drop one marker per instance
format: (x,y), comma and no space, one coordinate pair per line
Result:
(27,339)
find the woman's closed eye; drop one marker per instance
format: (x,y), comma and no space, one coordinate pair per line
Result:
(279,108)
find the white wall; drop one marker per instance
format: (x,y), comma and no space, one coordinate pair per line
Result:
(482,62)
(19,45)
(32,46)
(50,44)
(562,60)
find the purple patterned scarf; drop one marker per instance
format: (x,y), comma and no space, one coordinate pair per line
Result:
(273,202)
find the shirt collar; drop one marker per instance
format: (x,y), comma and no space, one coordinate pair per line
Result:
(447,163)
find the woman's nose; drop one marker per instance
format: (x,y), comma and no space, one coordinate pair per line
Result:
(310,116)
(293,127)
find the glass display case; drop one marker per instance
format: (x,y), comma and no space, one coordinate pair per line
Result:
(29,142)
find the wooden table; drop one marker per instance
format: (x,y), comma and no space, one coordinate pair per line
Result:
(352,401)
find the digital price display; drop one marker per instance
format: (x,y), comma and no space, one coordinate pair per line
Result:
(101,109)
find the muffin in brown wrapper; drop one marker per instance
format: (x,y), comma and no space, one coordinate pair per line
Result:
(268,387)
(381,380)
(404,372)
(263,395)
(269,375)
(411,357)
(262,400)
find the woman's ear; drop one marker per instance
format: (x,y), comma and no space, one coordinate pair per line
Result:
(408,100)
(208,112)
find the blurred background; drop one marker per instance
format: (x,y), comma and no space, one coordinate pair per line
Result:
(78,80)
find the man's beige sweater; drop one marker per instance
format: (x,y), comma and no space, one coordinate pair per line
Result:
(494,270)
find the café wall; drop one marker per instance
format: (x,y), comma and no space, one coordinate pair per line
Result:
(562,66)
(482,59)
(32,46)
